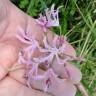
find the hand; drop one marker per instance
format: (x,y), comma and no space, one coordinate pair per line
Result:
(12,82)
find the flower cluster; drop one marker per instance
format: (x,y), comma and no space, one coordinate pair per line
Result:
(50,19)
(48,53)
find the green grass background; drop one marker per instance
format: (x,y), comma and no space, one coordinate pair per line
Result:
(78,23)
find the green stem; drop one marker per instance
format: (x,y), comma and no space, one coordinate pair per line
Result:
(87,39)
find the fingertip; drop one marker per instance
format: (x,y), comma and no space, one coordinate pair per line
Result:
(75,74)
(64,88)
(69,50)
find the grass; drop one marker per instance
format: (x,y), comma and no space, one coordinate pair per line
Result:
(78,23)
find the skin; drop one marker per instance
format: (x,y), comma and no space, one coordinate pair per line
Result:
(12,82)
(9,48)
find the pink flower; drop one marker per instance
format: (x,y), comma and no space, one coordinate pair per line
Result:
(23,59)
(31,42)
(23,37)
(33,70)
(50,19)
(60,40)
(49,75)
(51,51)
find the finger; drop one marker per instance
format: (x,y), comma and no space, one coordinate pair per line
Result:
(17,71)
(18,74)
(10,87)
(69,50)
(68,71)
(57,88)
(65,88)
(74,73)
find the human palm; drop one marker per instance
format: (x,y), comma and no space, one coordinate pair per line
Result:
(12,81)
